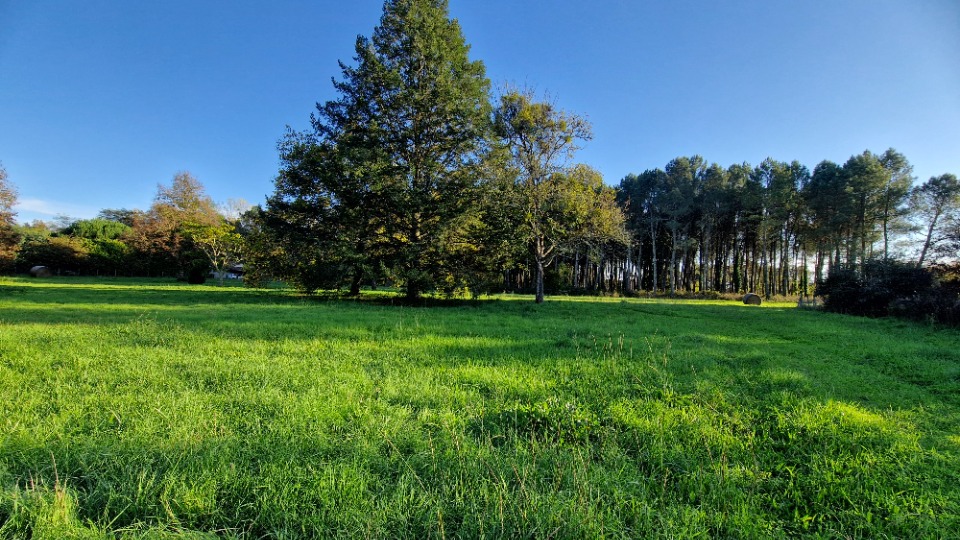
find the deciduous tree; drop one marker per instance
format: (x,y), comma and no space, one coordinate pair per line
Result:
(96,229)
(120,215)
(222,246)
(162,235)
(186,203)
(555,205)
(8,235)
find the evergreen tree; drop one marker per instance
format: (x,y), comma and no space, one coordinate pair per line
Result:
(391,167)
(896,191)
(866,183)
(829,207)
(679,206)
(936,202)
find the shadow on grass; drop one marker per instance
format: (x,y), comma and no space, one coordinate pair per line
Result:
(663,392)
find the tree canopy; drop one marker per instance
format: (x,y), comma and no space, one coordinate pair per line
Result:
(937,202)
(415,177)
(8,235)
(554,206)
(391,165)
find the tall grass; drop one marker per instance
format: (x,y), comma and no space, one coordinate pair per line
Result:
(138,409)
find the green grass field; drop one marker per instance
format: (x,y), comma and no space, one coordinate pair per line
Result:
(136,409)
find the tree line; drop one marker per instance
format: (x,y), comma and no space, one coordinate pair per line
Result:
(416,177)
(778,228)
(183,234)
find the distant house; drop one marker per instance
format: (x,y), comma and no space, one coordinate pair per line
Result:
(233,272)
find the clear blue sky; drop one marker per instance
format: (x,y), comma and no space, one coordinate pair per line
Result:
(100,101)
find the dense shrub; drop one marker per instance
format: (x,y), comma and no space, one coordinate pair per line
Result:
(195,270)
(891,288)
(940,303)
(933,306)
(62,254)
(96,229)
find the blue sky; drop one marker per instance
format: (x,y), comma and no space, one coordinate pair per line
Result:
(100,101)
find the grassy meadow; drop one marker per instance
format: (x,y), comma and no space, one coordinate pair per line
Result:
(152,409)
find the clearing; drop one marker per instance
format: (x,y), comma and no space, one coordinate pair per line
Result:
(151,409)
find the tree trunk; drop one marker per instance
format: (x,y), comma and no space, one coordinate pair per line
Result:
(653,243)
(638,266)
(886,240)
(355,282)
(413,291)
(736,267)
(785,264)
(539,281)
(704,265)
(673,264)
(601,282)
(575,278)
(627,272)
(928,240)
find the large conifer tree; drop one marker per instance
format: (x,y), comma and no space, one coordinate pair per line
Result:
(390,166)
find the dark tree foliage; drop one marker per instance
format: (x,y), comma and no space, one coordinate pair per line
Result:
(777,228)
(875,287)
(386,178)
(62,254)
(322,216)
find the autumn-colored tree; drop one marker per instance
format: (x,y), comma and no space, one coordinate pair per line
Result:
(8,235)
(185,203)
(162,236)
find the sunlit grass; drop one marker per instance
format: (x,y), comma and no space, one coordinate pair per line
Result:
(152,409)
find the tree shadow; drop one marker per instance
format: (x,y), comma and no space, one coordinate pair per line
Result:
(507,375)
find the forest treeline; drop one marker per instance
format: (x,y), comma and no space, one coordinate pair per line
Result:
(417,177)
(777,228)
(183,234)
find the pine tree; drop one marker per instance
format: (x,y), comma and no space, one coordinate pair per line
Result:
(391,165)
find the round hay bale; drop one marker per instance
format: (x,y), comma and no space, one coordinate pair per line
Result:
(40,271)
(751,299)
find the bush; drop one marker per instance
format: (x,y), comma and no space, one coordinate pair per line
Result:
(196,271)
(59,253)
(933,307)
(890,288)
